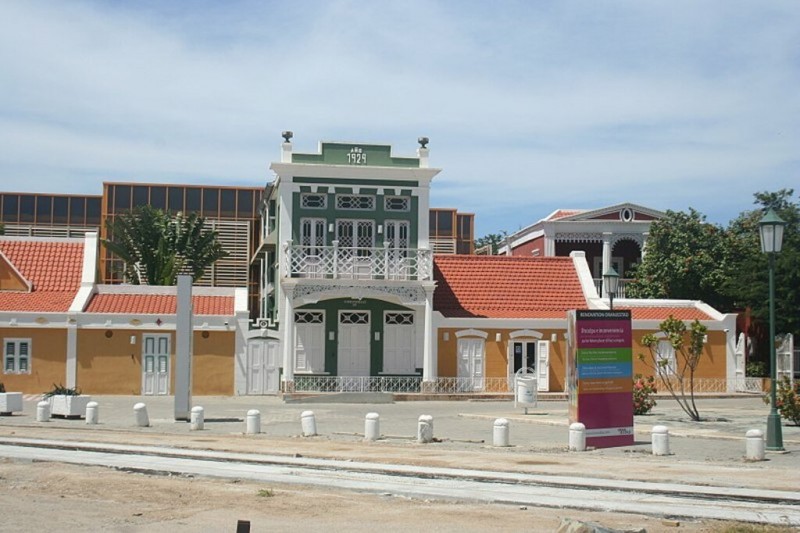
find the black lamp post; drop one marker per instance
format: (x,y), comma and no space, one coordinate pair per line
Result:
(771,230)
(611,284)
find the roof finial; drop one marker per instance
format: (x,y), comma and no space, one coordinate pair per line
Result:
(287,136)
(423,142)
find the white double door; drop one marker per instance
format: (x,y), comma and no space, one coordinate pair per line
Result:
(155,365)
(263,366)
(353,345)
(471,363)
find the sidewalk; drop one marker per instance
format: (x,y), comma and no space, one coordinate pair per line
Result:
(703,452)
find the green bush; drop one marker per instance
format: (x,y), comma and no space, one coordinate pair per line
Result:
(756,369)
(643,390)
(787,398)
(61,390)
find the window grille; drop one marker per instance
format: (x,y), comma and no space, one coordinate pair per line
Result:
(399,319)
(362,202)
(397,203)
(313,200)
(308,317)
(354,317)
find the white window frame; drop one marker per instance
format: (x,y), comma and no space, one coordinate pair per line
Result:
(17,342)
(303,201)
(389,198)
(340,200)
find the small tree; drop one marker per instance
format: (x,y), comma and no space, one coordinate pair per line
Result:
(156,246)
(676,365)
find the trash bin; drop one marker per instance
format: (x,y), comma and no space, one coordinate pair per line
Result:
(525,390)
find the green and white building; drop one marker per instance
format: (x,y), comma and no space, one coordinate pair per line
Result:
(347,271)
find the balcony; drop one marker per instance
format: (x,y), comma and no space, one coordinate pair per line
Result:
(334,262)
(598,283)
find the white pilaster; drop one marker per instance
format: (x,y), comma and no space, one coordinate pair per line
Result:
(286,152)
(429,355)
(287,338)
(606,252)
(423,218)
(72,353)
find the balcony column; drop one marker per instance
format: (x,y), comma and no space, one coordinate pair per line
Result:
(287,339)
(429,352)
(606,254)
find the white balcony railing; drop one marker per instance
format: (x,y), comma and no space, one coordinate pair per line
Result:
(334,262)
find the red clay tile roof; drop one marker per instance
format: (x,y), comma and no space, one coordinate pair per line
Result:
(506,287)
(54,270)
(662,313)
(158,304)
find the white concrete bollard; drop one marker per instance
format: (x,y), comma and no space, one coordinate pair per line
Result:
(425,429)
(309,423)
(754,444)
(372,426)
(577,437)
(43,411)
(500,433)
(92,413)
(253,422)
(197,418)
(142,420)
(660,440)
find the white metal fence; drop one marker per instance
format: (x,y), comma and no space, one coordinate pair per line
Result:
(449,385)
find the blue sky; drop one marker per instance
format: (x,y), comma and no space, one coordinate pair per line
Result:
(530,105)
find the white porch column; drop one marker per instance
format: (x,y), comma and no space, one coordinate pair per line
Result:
(644,243)
(549,241)
(287,338)
(606,253)
(429,355)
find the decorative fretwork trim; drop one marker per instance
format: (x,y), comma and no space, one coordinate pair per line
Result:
(407,295)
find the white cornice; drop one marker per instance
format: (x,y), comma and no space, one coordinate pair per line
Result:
(310,170)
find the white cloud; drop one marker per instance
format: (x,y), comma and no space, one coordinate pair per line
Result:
(567,104)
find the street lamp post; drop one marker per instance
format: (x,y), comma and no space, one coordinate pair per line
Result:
(770,229)
(611,284)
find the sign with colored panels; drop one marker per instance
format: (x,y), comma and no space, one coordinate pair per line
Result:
(601,372)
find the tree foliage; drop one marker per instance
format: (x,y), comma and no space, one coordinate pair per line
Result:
(156,246)
(677,374)
(686,258)
(492,240)
(748,283)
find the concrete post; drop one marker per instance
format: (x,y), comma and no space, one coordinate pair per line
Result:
(660,440)
(309,423)
(754,444)
(253,422)
(577,437)
(142,420)
(43,411)
(92,413)
(197,418)
(425,429)
(500,433)
(372,426)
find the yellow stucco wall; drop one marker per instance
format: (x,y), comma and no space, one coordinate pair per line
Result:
(47,363)
(712,363)
(112,365)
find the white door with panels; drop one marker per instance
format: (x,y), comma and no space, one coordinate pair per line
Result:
(155,365)
(399,343)
(312,238)
(353,347)
(309,341)
(470,363)
(543,366)
(263,363)
(356,244)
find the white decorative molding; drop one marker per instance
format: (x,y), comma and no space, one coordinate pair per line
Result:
(638,238)
(526,333)
(407,295)
(579,237)
(472,333)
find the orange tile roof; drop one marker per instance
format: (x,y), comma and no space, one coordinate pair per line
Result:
(52,267)
(506,286)
(158,304)
(663,312)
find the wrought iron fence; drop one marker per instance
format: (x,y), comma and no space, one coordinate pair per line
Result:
(721,385)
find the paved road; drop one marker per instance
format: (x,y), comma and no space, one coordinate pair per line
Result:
(707,459)
(663,499)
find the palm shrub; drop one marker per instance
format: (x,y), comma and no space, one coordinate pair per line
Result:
(643,391)
(61,390)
